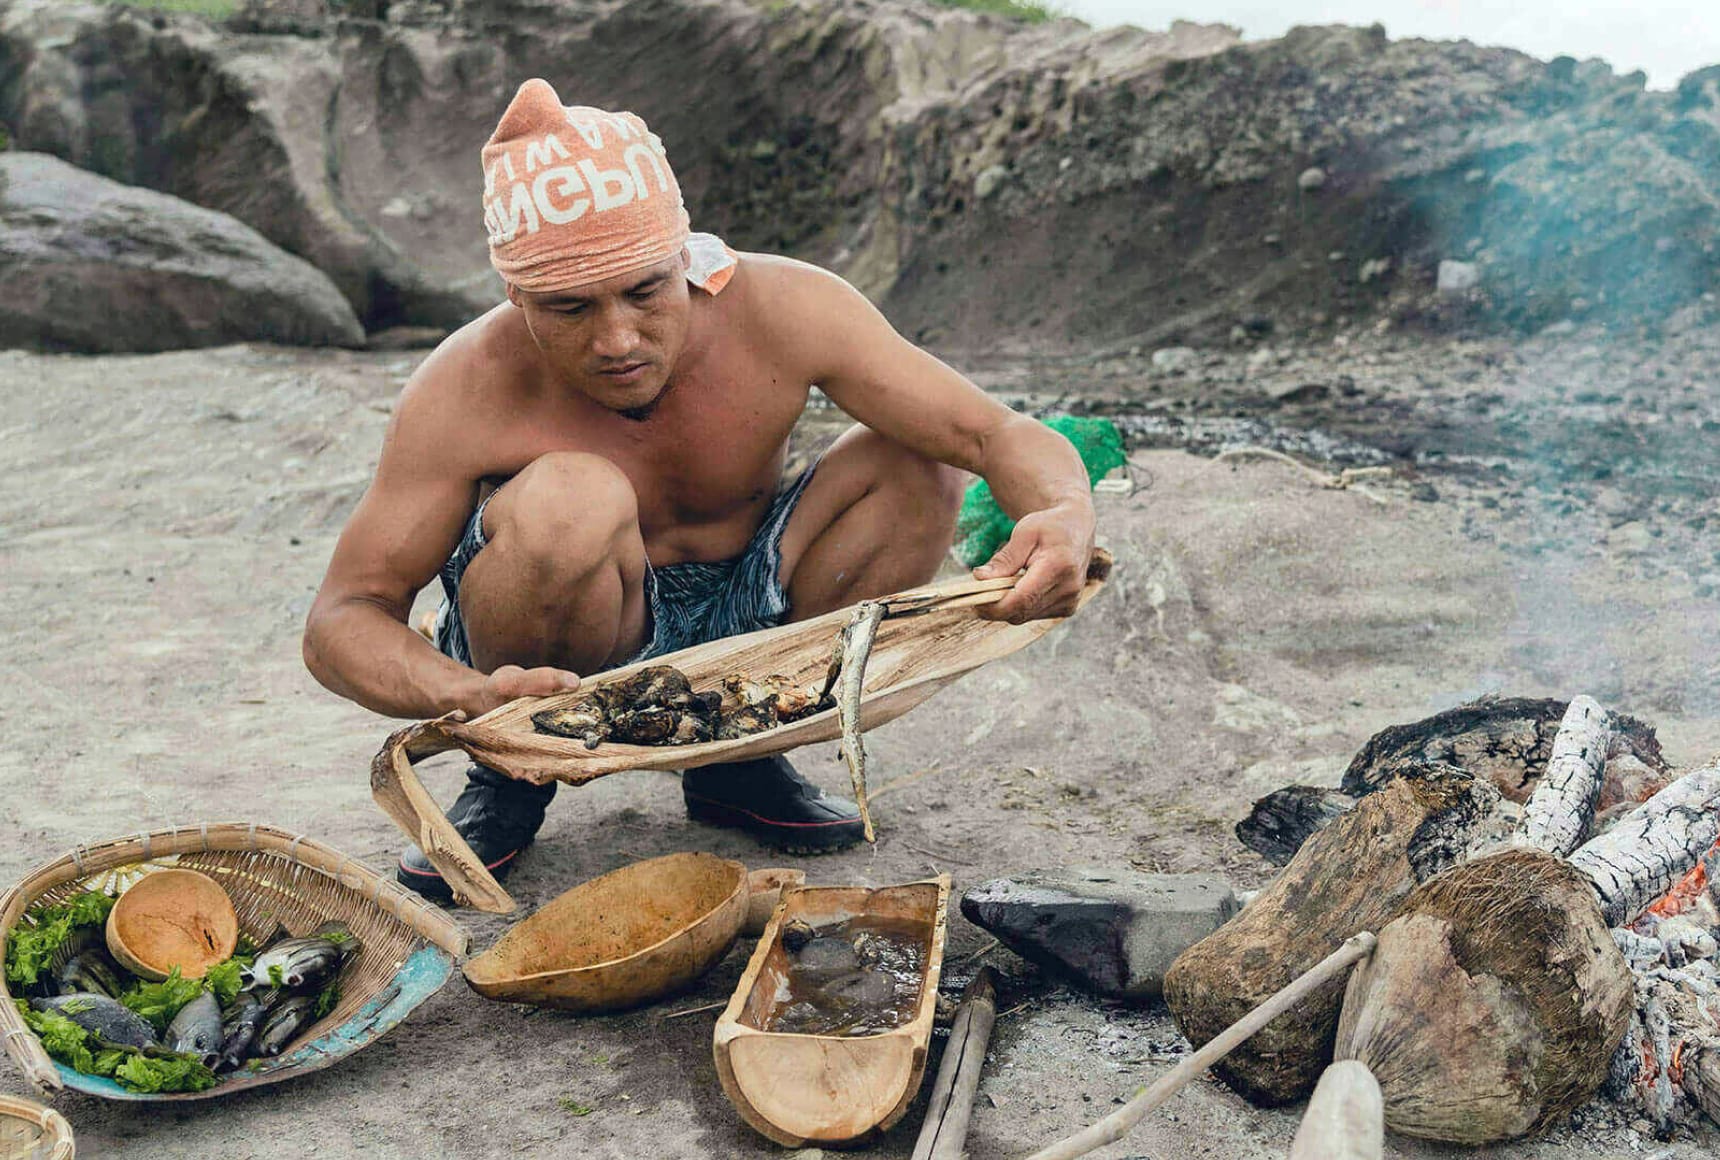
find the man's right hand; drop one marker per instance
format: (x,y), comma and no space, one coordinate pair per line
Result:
(510,682)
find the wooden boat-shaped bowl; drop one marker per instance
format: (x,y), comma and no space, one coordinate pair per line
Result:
(825,1089)
(929,637)
(629,936)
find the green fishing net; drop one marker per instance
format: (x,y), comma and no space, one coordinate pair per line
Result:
(982,528)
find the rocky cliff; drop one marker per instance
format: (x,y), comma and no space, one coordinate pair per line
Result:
(988,183)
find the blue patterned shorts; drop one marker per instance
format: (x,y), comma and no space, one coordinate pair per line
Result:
(688,603)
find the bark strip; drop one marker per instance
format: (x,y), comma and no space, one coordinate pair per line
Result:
(1562,808)
(1638,860)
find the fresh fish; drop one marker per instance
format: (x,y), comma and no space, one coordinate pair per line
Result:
(239,1026)
(284,1022)
(340,934)
(90,972)
(298,963)
(196,1030)
(107,1019)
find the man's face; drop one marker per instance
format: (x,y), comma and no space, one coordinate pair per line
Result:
(614,341)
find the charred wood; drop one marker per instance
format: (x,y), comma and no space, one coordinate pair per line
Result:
(1282,820)
(1638,860)
(1562,806)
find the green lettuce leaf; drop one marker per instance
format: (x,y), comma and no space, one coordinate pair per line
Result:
(30,945)
(179,1073)
(72,1045)
(227,979)
(160,1002)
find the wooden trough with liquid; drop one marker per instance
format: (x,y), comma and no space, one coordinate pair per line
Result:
(928,638)
(829,1089)
(629,936)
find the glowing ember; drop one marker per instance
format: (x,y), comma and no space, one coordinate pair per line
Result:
(1684,892)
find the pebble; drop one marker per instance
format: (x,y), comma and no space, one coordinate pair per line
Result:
(988,180)
(1311,179)
(1458,277)
(1170,359)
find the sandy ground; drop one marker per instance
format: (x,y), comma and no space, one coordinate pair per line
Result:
(167,520)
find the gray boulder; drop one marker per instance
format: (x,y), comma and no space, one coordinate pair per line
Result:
(90,265)
(1112,931)
(991,185)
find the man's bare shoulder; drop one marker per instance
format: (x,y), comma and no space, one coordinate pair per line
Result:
(774,283)
(795,307)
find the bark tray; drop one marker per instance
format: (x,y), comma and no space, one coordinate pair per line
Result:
(928,638)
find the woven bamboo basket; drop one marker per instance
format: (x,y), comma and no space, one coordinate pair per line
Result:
(273,877)
(28,1131)
(928,638)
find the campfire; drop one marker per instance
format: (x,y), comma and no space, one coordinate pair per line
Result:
(1542,888)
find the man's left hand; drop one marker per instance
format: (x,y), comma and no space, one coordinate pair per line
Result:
(1054,547)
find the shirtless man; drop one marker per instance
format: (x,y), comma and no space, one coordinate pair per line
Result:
(593,469)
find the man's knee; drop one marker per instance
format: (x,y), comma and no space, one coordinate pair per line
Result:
(565,509)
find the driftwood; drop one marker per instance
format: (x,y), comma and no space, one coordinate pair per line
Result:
(1350,876)
(945,1130)
(1658,843)
(1326,972)
(1562,807)
(1345,1120)
(1494,1002)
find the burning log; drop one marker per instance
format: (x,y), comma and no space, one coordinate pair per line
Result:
(1507,740)
(1663,839)
(1282,820)
(1350,876)
(1498,995)
(1562,806)
(1494,1004)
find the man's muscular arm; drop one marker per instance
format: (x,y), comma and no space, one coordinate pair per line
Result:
(892,386)
(357,642)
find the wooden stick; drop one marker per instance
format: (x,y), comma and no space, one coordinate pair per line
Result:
(857,638)
(1639,859)
(945,1130)
(1345,1119)
(1114,1126)
(1562,807)
(696,1010)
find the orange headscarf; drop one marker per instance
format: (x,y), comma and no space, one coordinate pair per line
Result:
(576,195)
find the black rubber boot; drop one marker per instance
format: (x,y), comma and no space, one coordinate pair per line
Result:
(769,800)
(497,815)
